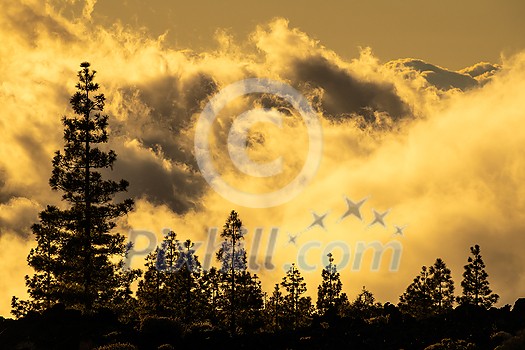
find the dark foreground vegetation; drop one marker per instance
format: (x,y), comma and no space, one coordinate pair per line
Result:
(466,327)
(80,294)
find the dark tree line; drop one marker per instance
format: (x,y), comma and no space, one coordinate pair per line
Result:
(78,260)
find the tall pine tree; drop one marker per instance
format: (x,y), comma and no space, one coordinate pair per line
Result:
(78,260)
(171,285)
(416,300)
(330,299)
(476,287)
(275,311)
(151,293)
(365,306)
(298,308)
(156,293)
(431,293)
(442,287)
(242,297)
(210,285)
(189,297)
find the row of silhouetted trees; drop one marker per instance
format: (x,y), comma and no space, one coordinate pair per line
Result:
(78,261)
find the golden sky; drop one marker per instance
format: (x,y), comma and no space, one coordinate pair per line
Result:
(452,34)
(421,108)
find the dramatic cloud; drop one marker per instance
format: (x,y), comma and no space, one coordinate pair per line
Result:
(481,71)
(345,94)
(437,76)
(440,149)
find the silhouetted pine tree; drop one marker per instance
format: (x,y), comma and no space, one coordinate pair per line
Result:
(156,291)
(330,299)
(188,296)
(232,257)
(79,238)
(442,287)
(151,292)
(166,261)
(250,304)
(365,306)
(210,285)
(417,300)
(476,288)
(431,293)
(242,297)
(171,285)
(275,310)
(298,308)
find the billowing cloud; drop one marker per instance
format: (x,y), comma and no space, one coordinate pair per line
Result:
(154,176)
(17,215)
(344,93)
(440,149)
(437,76)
